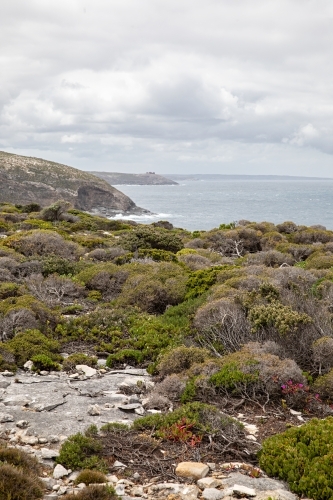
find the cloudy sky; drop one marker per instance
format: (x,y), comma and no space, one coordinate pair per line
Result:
(174,86)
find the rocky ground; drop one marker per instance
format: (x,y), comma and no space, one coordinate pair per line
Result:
(39,411)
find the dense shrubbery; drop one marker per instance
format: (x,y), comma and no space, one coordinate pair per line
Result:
(19,475)
(303,457)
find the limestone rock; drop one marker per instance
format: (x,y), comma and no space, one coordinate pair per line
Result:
(17,400)
(4,384)
(32,440)
(94,410)
(22,424)
(212,494)
(278,494)
(6,417)
(47,453)
(190,492)
(87,370)
(59,472)
(260,484)
(208,482)
(243,491)
(194,470)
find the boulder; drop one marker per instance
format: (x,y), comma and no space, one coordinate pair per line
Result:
(59,472)
(87,370)
(193,470)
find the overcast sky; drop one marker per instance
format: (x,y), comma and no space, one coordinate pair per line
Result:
(173,86)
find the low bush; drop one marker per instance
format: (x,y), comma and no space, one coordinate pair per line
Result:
(201,419)
(20,459)
(44,362)
(303,457)
(78,358)
(88,476)
(15,484)
(180,359)
(31,343)
(81,451)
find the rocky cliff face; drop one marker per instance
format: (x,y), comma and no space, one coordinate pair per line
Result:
(25,180)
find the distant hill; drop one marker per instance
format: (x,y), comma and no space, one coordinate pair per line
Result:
(221,177)
(24,180)
(149,178)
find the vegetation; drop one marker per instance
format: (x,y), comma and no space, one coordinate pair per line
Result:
(302,456)
(241,313)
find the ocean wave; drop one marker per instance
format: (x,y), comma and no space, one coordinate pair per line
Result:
(143,217)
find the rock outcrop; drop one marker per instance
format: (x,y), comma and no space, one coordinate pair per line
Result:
(27,180)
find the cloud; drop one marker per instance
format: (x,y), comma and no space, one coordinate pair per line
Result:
(224,86)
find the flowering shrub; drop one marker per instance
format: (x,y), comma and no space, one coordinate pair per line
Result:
(299,395)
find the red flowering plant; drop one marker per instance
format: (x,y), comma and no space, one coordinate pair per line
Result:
(298,396)
(182,431)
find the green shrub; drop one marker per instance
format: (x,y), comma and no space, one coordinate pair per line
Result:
(44,362)
(15,484)
(8,289)
(323,385)
(93,493)
(149,237)
(277,315)
(30,343)
(201,281)
(206,419)
(88,476)
(303,457)
(52,264)
(78,359)
(81,452)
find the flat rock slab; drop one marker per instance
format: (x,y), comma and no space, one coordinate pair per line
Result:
(55,404)
(259,484)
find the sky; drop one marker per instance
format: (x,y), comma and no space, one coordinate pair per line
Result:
(171,86)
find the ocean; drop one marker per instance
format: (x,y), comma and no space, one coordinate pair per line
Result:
(205,204)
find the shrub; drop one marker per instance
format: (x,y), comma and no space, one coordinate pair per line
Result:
(81,452)
(204,420)
(222,326)
(30,343)
(20,459)
(90,476)
(181,358)
(93,493)
(56,211)
(43,243)
(323,385)
(200,281)
(18,485)
(78,359)
(54,289)
(323,353)
(53,264)
(149,237)
(277,315)
(302,456)
(44,362)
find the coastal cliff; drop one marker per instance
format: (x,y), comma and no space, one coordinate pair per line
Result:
(34,180)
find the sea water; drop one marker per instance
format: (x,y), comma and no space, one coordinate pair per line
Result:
(206,204)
